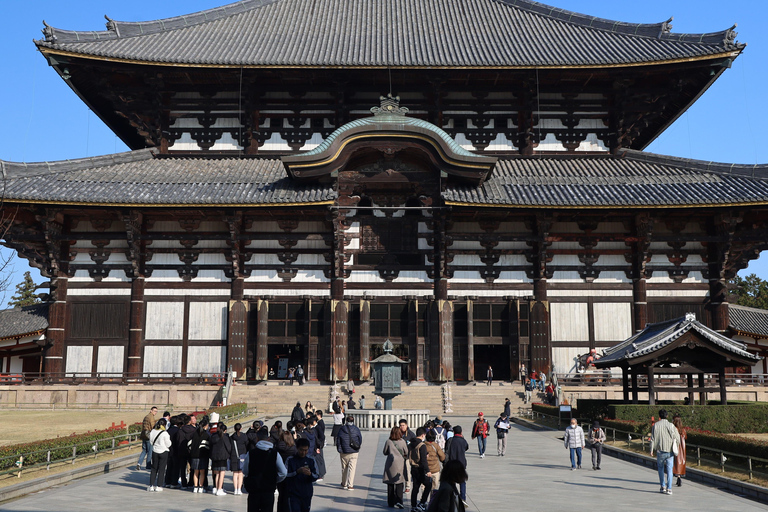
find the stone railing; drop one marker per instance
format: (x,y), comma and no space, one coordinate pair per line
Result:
(380,419)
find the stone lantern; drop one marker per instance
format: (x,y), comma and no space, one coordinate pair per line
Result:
(387,371)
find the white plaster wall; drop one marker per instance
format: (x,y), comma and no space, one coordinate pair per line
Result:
(207,320)
(613,321)
(79,359)
(563,358)
(159,359)
(206,359)
(109,360)
(569,321)
(165,321)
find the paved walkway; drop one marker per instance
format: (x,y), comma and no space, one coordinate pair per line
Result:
(535,475)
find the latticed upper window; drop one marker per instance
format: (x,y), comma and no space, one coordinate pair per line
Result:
(286,320)
(490,320)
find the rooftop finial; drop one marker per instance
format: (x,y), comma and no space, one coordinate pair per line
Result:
(390,105)
(690,317)
(112,25)
(666,27)
(730,36)
(388,346)
(50,37)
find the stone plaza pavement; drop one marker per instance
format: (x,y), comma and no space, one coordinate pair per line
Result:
(534,475)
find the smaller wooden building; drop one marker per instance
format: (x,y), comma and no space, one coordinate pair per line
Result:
(683,347)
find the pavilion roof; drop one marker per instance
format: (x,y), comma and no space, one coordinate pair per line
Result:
(748,321)
(392,33)
(657,337)
(23,321)
(631,180)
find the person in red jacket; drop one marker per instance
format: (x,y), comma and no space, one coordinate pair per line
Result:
(480,432)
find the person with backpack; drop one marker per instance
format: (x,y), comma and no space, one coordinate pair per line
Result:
(301,473)
(263,469)
(502,428)
(441,434)
(480,432)
(348,442)
(417,458)
(297,415)
(456,450)
(300,375)
(435,457)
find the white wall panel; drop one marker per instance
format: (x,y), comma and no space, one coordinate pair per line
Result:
(79,359)
(110,360)
(613,321)
(165,321)
(160,359)
(563,358)
(569,321)
(206,359)
(207,320)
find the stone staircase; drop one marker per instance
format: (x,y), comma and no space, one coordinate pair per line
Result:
(467,399)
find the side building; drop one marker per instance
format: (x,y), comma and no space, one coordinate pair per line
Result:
(281,206)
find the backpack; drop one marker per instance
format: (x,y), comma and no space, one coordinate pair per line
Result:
(414,457)
(440,437)
(300,372)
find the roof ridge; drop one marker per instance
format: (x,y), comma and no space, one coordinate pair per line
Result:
(24,169)
(122,29)
(757,171)
(661,30)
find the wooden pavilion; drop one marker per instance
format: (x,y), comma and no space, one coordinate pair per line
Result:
(682,346)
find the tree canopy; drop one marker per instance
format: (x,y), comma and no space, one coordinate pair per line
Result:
(750,291)
(25,292)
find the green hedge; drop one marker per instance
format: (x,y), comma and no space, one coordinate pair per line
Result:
(738,418)
(229,410)
(61,447)
(552,410)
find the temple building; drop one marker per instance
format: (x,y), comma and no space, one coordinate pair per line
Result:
(306,180)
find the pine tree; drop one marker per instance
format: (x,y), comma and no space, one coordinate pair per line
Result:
(25,292)
(750,291)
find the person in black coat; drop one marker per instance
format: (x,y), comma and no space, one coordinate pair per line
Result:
(186,431)
(456,449)
(417,457)
(348,442)
(239,451)
(320,438)
(172,471)
(297,416)
(221,455)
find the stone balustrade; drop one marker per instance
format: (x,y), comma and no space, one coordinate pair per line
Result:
(380,419)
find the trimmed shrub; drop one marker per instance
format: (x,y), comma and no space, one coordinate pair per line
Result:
(552,410)
(738,418)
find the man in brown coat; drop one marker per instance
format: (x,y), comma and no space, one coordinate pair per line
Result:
(146,447)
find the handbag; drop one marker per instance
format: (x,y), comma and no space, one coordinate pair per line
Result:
(675,447)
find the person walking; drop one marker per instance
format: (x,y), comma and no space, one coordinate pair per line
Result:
(664,435)
(300,378)
(362,401)
(301,474)
(596,440)
(147,424)
(489,375)
(417,459)
(435,457)
(480,432)
(528,387)
(297,415)
(502,428)
(348,443)
(456,450)
(240,448)
(678,468)
(396,451)
(574,441)
(507,407)
(263,470)
(447,498)
(320,437)
(160,442)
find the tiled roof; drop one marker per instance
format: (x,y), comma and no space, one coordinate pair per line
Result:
(428,33)
(139,177)
(657,336)
(24,320)
(748,320)
(633,179)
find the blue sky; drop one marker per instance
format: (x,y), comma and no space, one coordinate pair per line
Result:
(43,120)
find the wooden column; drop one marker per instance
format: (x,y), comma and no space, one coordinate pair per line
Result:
(470,340)
(339,340)
(442,346)
(136,329)
(53,361)
(634,385)
(237,333)
(365,340)
(651,396)
(540,345)
(690,388)
(625,382)
(640,303)
(718,296)
(414,367)
(723,391)
(702,393)
(261,369)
